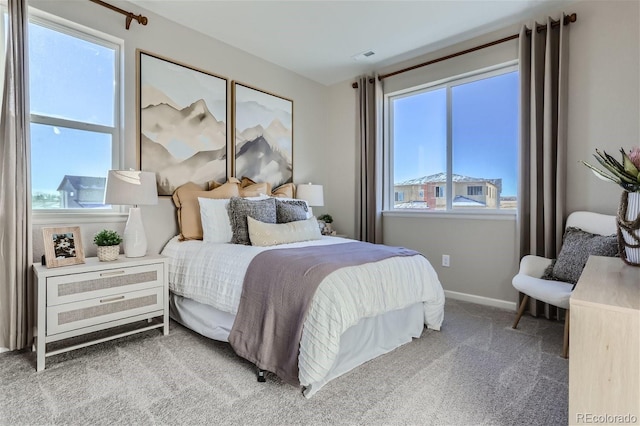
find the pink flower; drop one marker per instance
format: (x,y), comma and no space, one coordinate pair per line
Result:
(634,156)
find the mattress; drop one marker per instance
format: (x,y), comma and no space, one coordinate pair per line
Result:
(212,274)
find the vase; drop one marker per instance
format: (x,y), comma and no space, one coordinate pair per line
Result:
(108,253)
(628,221)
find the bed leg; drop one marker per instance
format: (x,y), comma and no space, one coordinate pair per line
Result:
(261,376)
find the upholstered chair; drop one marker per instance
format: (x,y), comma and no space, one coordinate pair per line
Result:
(557,293)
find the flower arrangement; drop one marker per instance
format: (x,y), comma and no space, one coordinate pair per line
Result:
(625,173)
(326,218)
(107,237)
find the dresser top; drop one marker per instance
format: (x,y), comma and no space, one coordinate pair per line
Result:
(93,264)
(609,282)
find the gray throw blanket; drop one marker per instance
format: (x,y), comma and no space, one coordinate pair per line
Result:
(277,292)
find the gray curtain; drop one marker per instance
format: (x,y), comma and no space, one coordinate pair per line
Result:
(16,293)
(369,187)
(543,58)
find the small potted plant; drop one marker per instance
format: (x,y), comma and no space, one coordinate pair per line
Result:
(108,243)
(327,220)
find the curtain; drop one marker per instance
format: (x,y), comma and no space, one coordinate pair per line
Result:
(369,187)
(16,293)
(543,62)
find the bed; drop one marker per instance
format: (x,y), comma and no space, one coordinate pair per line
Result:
(357,312)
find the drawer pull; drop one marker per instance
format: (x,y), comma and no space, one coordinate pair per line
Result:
(111,299)
(110,274)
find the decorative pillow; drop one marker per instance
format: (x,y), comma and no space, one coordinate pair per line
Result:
(212,184)
(291,210)
(288,190)
(188,209)
(240,208)
(216,227)
(577,246)
(255,189)
(269,234)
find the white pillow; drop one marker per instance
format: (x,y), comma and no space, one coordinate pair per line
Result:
(216,227)
(271,234)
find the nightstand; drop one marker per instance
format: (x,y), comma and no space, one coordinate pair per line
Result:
(81,299)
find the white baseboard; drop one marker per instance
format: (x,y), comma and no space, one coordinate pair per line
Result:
(481,300)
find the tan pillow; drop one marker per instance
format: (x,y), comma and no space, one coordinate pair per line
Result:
(288,190)
(271,234)
(212,184)
(255,189)
(188,208)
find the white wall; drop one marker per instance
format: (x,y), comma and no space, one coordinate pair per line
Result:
(184,45)
(604,112)
(604,106)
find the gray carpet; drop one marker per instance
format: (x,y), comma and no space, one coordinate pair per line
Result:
(477,370)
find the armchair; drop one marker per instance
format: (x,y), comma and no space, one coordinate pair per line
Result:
(556,293)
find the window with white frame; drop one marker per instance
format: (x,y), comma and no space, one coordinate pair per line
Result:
(74,79)
(456,137)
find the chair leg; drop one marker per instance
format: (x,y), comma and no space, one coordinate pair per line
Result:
(565,344)
(523,306)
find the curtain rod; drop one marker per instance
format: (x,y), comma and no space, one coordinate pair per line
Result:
(566,21)
(142,20)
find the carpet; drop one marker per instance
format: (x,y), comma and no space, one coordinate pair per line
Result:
(476,371)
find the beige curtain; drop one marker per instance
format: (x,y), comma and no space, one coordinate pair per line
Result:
(16,293)
(369,199)
(543,59)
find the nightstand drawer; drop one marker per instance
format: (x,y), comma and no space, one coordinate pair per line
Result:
(72,316)
(89,285)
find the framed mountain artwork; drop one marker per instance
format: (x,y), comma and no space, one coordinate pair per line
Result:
(263,135)
(182,123)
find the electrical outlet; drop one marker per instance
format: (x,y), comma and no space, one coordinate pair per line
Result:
(445,260)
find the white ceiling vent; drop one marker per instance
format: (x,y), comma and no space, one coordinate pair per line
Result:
(363,55)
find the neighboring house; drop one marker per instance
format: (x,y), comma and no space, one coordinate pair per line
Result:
(81,192)
(429,192)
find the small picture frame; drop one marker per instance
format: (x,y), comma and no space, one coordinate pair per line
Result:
(62,246)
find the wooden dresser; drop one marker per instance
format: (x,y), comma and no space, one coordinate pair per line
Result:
(604,346)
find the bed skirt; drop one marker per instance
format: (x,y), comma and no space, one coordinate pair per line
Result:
(368,339)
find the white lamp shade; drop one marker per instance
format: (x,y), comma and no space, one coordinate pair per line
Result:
(131,187)
(312,194)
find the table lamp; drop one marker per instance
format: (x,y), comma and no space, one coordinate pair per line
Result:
(134,188)
(312,194)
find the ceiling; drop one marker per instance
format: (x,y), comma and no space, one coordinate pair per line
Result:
(318,39)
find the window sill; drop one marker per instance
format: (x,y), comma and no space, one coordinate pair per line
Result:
(510,215)
(48,217)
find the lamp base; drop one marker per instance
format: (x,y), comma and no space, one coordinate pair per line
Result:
(135,240)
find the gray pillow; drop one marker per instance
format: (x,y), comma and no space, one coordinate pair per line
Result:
(290,210)
(577,246)
(240,208)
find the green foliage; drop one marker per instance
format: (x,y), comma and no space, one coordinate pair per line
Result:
(625,173)
(326,218)
(107,237)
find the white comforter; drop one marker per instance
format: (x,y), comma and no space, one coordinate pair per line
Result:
(213,274)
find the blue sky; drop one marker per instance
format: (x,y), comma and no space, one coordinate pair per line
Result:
(67,76)
(484,131)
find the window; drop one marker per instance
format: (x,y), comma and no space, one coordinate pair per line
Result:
(74,80)
(474,190)
(457,136)
(399,196)
(421,194)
